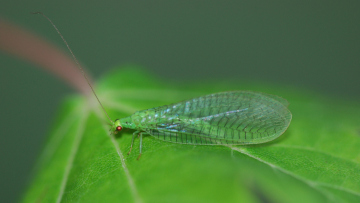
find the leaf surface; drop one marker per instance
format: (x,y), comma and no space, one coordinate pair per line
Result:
(315,160)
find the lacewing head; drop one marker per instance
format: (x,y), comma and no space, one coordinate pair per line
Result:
(116,127)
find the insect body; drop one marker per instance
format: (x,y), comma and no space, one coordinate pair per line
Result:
(237,117)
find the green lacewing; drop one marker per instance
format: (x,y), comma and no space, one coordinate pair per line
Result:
(225,118)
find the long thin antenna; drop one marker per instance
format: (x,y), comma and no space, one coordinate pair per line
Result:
(77,63)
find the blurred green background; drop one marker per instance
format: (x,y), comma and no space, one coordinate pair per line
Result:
(306,44)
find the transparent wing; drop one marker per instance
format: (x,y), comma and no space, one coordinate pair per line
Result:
(237,117)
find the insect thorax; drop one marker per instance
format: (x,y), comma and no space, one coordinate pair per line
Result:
(140,120)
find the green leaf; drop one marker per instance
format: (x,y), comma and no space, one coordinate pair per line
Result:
(315,160)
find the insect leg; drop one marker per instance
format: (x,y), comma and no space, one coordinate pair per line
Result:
(132,141)
(140,146)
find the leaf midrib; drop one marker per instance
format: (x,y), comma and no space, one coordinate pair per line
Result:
(311,183)
(315,150)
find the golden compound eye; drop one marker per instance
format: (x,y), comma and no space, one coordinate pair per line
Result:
(118,128)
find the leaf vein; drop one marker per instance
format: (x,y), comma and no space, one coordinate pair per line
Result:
(122,159)
(74,149)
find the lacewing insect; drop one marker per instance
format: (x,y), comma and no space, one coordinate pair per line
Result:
(225,118)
